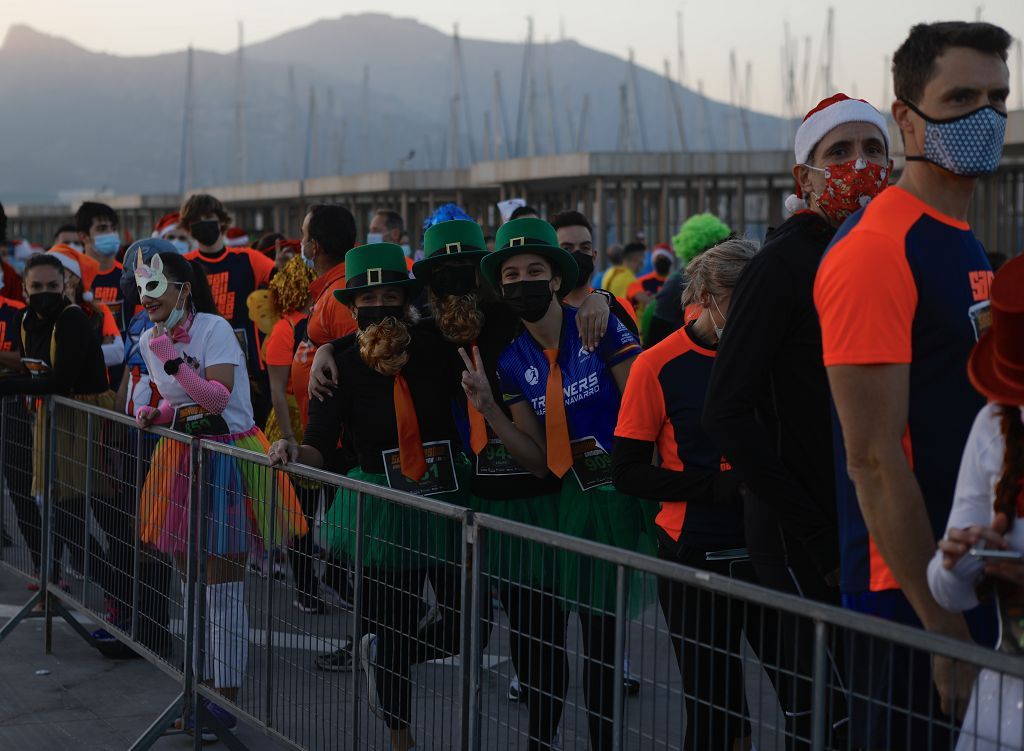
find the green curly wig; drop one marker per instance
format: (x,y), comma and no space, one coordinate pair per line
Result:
(698,233)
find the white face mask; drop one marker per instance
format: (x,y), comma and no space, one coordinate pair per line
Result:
(719,330)
(374,237)
(310,262)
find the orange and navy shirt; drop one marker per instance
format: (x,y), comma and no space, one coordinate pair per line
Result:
(234,275)
(10,324)
(902,283)
(649,283)
(106,288)
(662,404)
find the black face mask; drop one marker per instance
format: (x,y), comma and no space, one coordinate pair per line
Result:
(366,317)
(586,263)
(453,281)
(206,232)
(47,304)
(529,300)
(662,266)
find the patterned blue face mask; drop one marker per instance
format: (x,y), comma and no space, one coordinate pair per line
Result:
(969,145)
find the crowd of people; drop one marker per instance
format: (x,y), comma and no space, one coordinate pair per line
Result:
(828,403)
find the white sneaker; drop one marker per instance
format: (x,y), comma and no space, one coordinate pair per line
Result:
(368,663)
(515,691)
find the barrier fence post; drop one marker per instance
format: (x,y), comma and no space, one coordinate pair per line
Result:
(268,604)
(357,608)
(3,443)
(472,609)
(137,538)
(620,649)
(49,473)
(199,530)
(819,710)
(87,504)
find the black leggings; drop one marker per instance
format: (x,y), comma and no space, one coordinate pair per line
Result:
(300,552)
(782,564)
(706,633)
(394,610)
(538,624)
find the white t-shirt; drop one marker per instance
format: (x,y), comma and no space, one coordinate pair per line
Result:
(993,721)
(213,343)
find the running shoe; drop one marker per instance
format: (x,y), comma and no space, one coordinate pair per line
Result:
(338,661)
(368,663)
(306,604)
(515,691)
(228,720)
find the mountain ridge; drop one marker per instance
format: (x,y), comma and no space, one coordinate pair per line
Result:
(92,120)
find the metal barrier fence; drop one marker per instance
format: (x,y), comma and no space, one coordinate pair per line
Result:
(332,613)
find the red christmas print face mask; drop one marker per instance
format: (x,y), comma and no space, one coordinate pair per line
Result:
(850,186)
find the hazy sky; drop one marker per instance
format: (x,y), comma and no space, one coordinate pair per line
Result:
(865,31)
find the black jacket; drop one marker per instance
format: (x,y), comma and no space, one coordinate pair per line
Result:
(768,404)
(78,366)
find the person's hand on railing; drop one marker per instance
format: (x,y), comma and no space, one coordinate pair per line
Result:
(146,416)
(282,452)
(323,375)
(474,381)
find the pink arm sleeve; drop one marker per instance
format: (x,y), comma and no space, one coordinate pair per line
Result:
(211,395)
(164,412)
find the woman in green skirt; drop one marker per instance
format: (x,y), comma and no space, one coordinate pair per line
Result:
(392,407)
(563,399)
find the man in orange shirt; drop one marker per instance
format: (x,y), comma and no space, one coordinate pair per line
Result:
(328,233)
(902,294)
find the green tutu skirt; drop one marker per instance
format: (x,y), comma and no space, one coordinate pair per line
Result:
(607,516)
(395,536)
(513,560)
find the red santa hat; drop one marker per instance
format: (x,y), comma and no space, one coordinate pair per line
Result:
(827,115)
(663,250)
(79,264)
(236,237)
(167,224)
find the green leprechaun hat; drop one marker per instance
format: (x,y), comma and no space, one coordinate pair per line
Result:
(375,265)
(529,235)
(457,238)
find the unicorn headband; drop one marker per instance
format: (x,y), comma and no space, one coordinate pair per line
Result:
(151,280)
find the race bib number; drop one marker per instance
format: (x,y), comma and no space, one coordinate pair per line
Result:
(439,478)
(195,420)
(496,461)
(34,366)
(591,463)
(981,317)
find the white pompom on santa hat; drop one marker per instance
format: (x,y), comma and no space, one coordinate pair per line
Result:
(167,224)
(236,237)
(827,115)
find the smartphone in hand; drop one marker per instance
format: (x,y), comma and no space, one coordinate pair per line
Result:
(987,554)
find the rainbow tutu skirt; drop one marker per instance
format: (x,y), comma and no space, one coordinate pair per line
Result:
(248,505)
